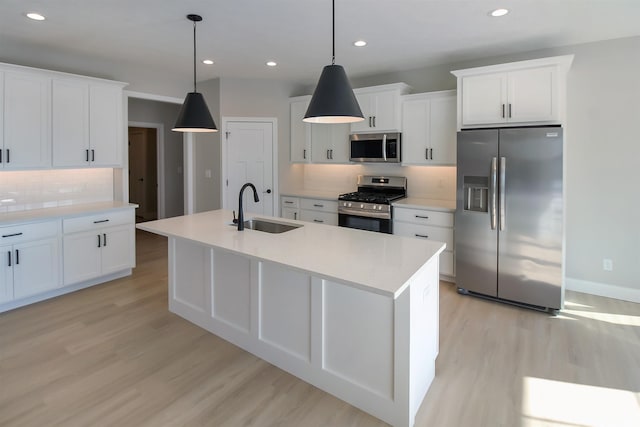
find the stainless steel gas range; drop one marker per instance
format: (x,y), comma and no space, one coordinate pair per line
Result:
(370,208)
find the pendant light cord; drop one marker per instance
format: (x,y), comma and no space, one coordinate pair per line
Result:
(333,32)
(194,56)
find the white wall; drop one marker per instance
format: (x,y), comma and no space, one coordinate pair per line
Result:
(142,110)
(207,154)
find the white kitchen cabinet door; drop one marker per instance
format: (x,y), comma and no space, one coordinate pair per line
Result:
(442,130)
(330,143)
(429,129)
(380,111)
(36,267)
(27,121)
(117,249)
(82,256)
(484,99)
(105,125)
(300,137)
(290,213)
(415,131)
(70,101)
(6,273)
(532,96)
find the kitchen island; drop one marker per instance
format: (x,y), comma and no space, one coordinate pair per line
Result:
(352,312)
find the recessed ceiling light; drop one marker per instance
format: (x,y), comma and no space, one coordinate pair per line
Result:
(35,16)
(272,63)
(360,43)
(207,61)
(499,12)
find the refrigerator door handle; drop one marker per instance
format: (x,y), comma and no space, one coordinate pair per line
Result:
(492,192)
(503,201)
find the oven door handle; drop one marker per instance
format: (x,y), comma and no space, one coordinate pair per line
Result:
(384,147)
(353,212)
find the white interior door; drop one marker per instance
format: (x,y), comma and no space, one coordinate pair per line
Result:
(249,152)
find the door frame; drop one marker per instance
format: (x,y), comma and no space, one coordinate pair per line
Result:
(274,156)
(188,165)
(159,127)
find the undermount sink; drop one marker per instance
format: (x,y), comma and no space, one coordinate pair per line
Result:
(269,226)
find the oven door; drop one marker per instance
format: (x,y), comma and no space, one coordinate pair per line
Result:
(365,223)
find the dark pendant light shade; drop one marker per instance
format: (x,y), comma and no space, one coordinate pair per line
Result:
(194,115)
(333,101)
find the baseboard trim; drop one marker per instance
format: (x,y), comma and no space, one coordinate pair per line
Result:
(602,289)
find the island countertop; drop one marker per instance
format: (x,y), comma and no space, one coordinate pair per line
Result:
(376,262)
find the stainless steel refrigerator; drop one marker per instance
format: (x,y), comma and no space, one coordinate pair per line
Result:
(509,215)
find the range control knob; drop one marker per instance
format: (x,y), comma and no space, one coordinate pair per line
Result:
(361,205)
(375,207)
(380,208)
(349,205)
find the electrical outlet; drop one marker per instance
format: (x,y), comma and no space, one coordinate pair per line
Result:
(607,264)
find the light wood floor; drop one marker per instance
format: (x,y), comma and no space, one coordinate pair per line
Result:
(113,355)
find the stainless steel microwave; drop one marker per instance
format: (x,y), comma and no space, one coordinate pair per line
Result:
(376,147)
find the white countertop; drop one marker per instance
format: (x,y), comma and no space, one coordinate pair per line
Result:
(314,194)
(33,215)
(376,262)
(431,204)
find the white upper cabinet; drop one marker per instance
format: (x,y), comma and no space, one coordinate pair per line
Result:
(57,119)
(27,125)
(518,93)
(429,128)
(105,124)
(70,130)
(300,131)
(380,106)
(330,143)
(87,124)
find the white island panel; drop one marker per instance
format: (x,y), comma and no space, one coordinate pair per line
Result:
(355,323)
(232,290)
(285,310)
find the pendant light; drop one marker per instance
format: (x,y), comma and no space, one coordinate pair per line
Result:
(194,115)
(333,101)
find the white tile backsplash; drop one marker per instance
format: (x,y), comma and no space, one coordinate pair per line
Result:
(428,182)
(26,190)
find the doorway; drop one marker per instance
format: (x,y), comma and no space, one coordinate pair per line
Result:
(249,155)
(143,172)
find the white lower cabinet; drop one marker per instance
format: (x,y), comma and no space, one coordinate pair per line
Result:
(30,262)
(98,245)
(428,224)
(320,211)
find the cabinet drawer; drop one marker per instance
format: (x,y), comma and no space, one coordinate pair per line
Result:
(290,202)
(320,205)
(439,234)
(421,216)
(27,232)
(96,221)
(319,217)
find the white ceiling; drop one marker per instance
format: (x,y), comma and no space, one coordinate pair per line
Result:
(240,35)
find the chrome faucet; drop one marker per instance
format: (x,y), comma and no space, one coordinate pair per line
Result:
(240,213)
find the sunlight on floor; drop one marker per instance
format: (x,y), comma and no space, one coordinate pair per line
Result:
(576,305)
(617,319)
(555,403)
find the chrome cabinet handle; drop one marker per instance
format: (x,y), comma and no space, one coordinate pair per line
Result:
(503,192)
(374,121)
(422,216)
(509,110)
(99,242)
(318,206)
(8,258)
(318,220)
(492,192)
(431,153)
(93,155)
(384,145)
(8,156)
(426,154)
(86,155)
(503,111)
(304,154)
(295,215)
(17,256)
(289,202)
(370,122)
(424,236)
(12,235)
(104,239)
